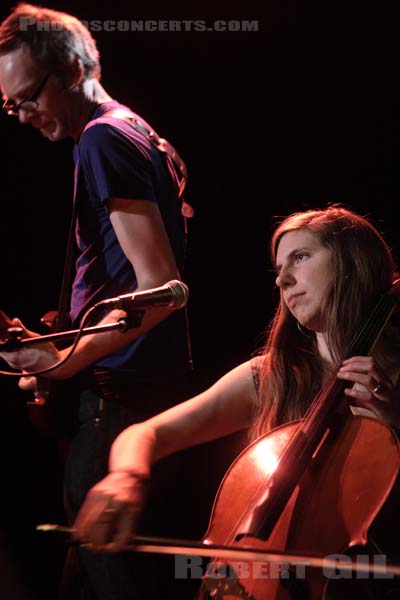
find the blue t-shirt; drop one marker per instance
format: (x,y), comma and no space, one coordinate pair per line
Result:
(115,160)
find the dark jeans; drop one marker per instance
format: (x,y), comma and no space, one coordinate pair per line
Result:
(123,576)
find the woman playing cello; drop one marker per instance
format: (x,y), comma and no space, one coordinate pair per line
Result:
(332,266)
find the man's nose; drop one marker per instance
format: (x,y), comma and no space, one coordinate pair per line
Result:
(24,116)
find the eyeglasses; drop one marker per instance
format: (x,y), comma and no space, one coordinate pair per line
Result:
(28,105)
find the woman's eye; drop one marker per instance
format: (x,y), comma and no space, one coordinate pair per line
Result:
(300,256)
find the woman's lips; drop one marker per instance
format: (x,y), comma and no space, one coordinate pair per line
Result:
(292,299)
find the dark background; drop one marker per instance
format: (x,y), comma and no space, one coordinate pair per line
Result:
(301,113)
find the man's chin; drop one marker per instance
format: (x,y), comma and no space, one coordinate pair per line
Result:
(52,133)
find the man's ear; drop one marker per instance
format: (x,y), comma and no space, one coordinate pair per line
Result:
(73,74)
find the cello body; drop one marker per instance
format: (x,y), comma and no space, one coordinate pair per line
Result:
(330,510)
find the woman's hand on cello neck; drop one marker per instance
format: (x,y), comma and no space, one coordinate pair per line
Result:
(372,388)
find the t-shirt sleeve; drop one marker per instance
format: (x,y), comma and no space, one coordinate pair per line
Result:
(113,165)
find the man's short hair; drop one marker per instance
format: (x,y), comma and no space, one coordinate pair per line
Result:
(55,39)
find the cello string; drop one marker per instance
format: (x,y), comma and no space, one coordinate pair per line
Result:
(365,337)
(379,312)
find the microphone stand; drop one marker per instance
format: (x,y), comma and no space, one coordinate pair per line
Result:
(15,342)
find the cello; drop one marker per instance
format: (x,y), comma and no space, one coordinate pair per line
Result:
(315,485)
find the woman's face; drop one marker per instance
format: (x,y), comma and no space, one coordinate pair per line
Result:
(304,268)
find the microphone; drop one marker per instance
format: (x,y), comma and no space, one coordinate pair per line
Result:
(174,294)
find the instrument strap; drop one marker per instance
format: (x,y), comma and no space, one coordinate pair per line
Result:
(160,143)
(65,292)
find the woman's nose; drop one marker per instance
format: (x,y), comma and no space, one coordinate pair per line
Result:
(285,278)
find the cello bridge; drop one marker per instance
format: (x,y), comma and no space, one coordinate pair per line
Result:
(224,582)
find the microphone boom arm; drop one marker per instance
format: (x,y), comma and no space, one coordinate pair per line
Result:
(15,342)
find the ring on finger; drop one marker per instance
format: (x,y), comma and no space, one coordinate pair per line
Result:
(376,389)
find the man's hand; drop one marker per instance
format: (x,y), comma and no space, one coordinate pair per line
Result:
(32,358)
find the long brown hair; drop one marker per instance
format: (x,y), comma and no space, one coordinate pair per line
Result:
(292,371)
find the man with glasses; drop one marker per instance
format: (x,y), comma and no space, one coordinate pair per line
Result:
(130,237)
(29,105)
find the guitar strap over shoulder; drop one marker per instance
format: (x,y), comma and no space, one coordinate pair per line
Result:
(160,143)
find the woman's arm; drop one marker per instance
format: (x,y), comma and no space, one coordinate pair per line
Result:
(111,508)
